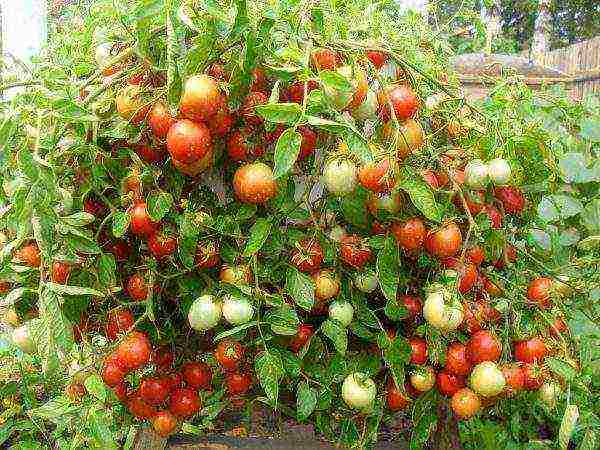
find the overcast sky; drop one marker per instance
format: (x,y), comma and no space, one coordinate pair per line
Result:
(23,27)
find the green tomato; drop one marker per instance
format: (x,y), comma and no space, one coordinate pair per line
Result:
(204,313)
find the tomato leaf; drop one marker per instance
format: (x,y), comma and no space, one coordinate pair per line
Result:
(395,310)
(561,368)
(288,113)
(95,386)
(107,268)
(306,400)
(120,223)
(287,150)
(258,235)
(353,208)
(73,290)
(358,147)
(235,330)
(422,197)
(269,371)
(301,288)
(79,219)
(387,269)
(335,81)
(337,334)
(158,204)
(283,320)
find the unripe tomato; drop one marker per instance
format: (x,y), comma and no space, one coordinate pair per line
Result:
(532,350)
(325,59)
(465,403)
(29,255)
(184,402)
(484,346)
(207,255)
(137,288)
(204,313)
(238,275)
(197,375)
(402,98)
(354,251)
(487,379)
(457,360)
(410,234)
(250,102)
(308,255)
(418,349)
(449,384)
(534,376)
(377,176)
(342,311)
(396,399)
(238,383)
(135,350)
(21,337)
(131,105)
(228,354)
(339,176)
(512,199)
(254,183)
(476,174)
(389,202)
(154,391)
(162,244)
(141,223)
(423,378)
(367,110)
(515,378)
(237,310)
(549,393)
(377,58)
(366,281)
(539,292)
(499,171)
(327,285)
(60,272)
(302,336)
(139,408)
(201,98)
(164,423)
(359,391)
(160,120)
(445,241)
(118,321)
(443,311)
(188,142)
(410,137)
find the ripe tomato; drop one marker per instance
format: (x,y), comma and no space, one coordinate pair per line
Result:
(131,105)
(467,273)
(339,176)
(197,375)
(531,351)
(358,391)
(254,183)
(423,378)
(418,348)
(184,402)
(457,360)
(487,379)
(163,358)
(302,336)
(244,144)
(201,98)
(413,305)
(222,122)
(164,423)
(475,255)
(162,244)
(118,321)
(534,376)
(238,383)
(141,223)
(444,241)
(241,274)
(509,256)
(308,143)
(539,292)
(494,215)
(120,249)
(135,350)
(377,58)
(29,255)
(515,378)
(449,384)
(484,346)
(475,201)
(137,288)
(60,272)
(174,381)
(153,391)
(377,176)
(474,316)
(354,251)
(430,178)
(139,408)
(296,91)
(92,205)
(410,138)
(121,391)
(195,168)
(112,373)
(403,100)
(558,327)
(188,142)
(150,153)
(325,59)
(396,399)
(228,354)
(250,102)
(327,285)
(160,120)
(465,403)
(207,255)
(308,255)
(512,199)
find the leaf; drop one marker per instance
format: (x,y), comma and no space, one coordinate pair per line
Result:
(79,219)
(387,269)
(395,310)
(422,197)
(269,370)
(590,216)
(590,129)
(589,441)
(337,334)
(336,81)
(301,288)
(95,386)
(258,235)
(558,206)
(573,168)
(283,320)
(567,426)
(327,125)
(306,400)
(13,296)
(120,223)
(107,269)
(397,355)
(158,205)
(287,150)
(73,290)
(288,113)
(235,330)
(358,147)
(54,409)
(27,164)
(353,208)
(561,368)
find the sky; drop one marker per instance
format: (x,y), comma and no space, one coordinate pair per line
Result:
(23,27)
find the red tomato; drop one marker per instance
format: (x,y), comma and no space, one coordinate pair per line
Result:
(197,375)
(201,99)
(534,376)
(207,255)
(558,327)
(160,120)
(299,340)
(118,321)
(539,292)
(418,348)
(484,346)
(135,350)
(184,402)
(308,255)
(174,381)
(467,273)
(377,176)
(149,153)
(532,350)
(512,199)
(309,142)
(164,423)
(229,354)
(413,305)
(189,142)
(465,403)
(244,144)
(396,399)
(162,244)
(354,252)
(141,223)
(445,241)
(494,215)
(153,391)
(163,358)
(222,122)
(29,255)
(137,288)
(296,90)
(121,250)
(509,255)
(112,373)
(254,183)
(247,110)
(121,391)
(474,318)
(238,383)
(377,58)
(457,360)
(259,80)
(475,255)
(403,100)
(449,384)
(410,234)
(92,205)
(515,378)
(139,408)
(325,59)
(60,272)
(475,201)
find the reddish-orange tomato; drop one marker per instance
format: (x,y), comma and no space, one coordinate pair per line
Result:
(325,59)
(396,399)
(445,241)
(197,375)
(201,98)
(162,244)
(539,292)
(251,101)
(377,58)
(118,321)
(484,346)
(139,408)
(465,403)
(299,340)
(229,354)
(418,348)
(113,372)
(141,223)
(153,391)
(245,144)
(207,255)
(163,358)
(60,272)
(410,234)
(475,255)
(457,360)
(403,99)
(29,255)
(532,350)
(377,176)
(467,273)
(515,378)
(534,376)
(189,142)
(413,305)
(160,120)
(449,384)
(164,423)
(254,183)
(137,288)
(354,251)
(308,255)
(184,402)
(135,350)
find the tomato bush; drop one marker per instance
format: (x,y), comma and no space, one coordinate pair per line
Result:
(210,205)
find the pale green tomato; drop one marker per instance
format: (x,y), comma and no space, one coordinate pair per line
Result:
(487,379)
(367,110)
(442,310)
(366,281)
(549,393)
(342,311)
(499,171)
(339,176)
(236,310)
(359,391)
(423,379)
(476,174)
(337,233)
(204,313)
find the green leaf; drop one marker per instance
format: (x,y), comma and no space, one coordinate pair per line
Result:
(327,125)
(395,310)
(120,223)
(306,400)
(287,150)
(422,197)
(269,371)
(27,164)
(79,219)
(288,113)
(559,206)
(358,147)
(335,80)
(95,386)
(337,334)
(81,244)
(107,269)
(561,368)
(74,290)
(158,205)
(13,296)
(589,440)
(590,217)
(573,168)
(283,320)
(258,235)
(235,330)
(353,208)
(590,129)
(387,269)
(301,288)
